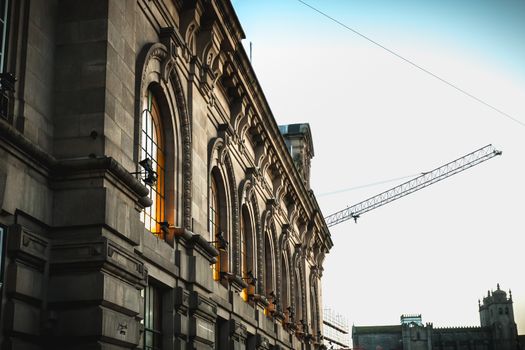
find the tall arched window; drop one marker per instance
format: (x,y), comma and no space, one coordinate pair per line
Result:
(152,147)
(246,242)
(8,79)
(298,296)
(314,309)
(285,301)
(214,224)
(4,25)
(268,266)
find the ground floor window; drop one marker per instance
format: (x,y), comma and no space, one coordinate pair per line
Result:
(2,257)
(152,318)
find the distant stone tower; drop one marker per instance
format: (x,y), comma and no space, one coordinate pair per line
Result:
(298,139)
(497,314)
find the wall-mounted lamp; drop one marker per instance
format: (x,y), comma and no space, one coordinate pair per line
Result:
(164,228)
(273,298)
(222,243)
(251,278)
(291,313)
(150,175)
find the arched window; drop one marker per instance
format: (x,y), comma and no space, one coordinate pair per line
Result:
(246,245)
(268,266)
(152,148)
(214,225)
(269,273)
(314,308)
(8,80)
(285,301)
(298,294)
(217,225)
(4,25)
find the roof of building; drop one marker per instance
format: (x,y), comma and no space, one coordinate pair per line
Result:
(376,329)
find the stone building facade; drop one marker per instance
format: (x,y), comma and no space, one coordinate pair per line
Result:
(497,331)
(147,196)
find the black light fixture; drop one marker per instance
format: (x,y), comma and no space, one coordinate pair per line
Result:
(222,243)
(151,175)
(291,313)
(319,336)
(165,228)
(250,278)
(273,298)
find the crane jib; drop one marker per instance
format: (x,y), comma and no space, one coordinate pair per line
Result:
(422,181)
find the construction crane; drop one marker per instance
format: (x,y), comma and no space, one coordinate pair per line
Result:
(425,179)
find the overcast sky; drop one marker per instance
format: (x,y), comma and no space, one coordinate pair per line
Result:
(374,117)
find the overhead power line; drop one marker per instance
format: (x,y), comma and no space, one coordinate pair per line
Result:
(412,63)
(364,186)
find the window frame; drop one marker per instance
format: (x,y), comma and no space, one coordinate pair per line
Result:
(3,241)
(214,224)
(285,282)
(246,251)
(269,262)
(153,146)
(4,34)
(153,320)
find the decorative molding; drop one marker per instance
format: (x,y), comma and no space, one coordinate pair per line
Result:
(103,253)
(187,148)
(165,54)
(61,169)
(24,245)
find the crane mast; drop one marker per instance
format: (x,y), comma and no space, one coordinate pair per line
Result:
(422,181)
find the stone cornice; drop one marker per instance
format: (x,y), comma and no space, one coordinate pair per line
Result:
(275,138)
(61,168)
(193,240)
(233,25)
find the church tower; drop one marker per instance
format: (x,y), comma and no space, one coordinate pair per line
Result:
(497,314)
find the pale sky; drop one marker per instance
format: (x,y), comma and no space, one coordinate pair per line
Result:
(374,117)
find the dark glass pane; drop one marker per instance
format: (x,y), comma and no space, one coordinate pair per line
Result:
(1,256)
(152,318)
(4,4)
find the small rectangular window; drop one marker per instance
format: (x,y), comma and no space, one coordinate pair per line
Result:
(6,80)
(2,257)
(4,24)
(152,318)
